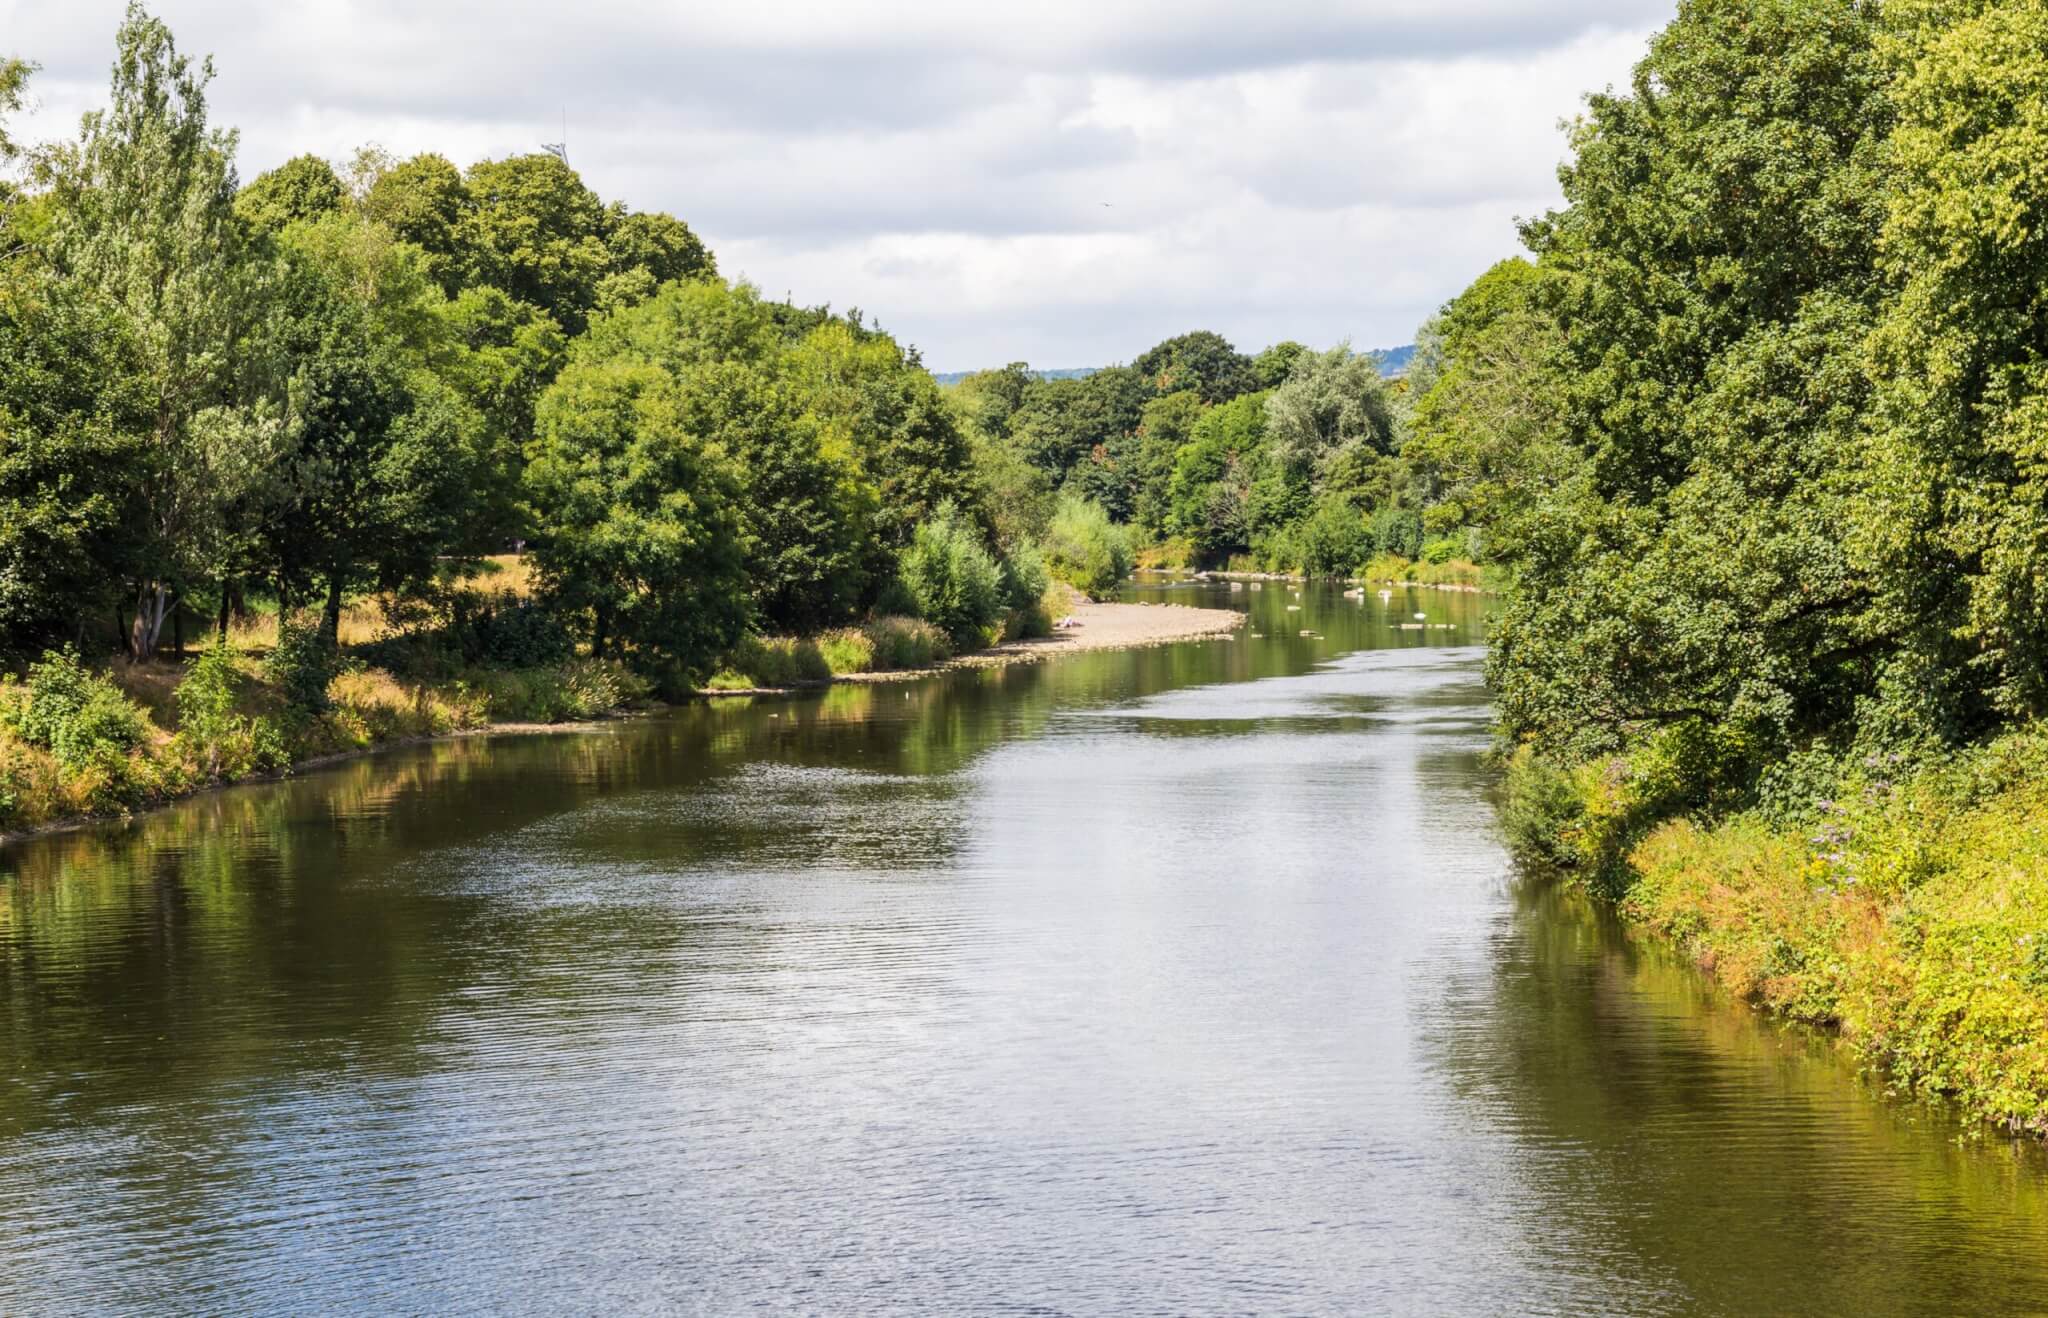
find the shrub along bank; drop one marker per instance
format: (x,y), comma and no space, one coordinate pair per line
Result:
(77,742)
(1906,907)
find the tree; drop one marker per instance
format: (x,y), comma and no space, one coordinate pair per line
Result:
(808,516)
(423,201)
(1955,528)
(1487,432)
(874,403)
(1202,361)
(1213,475)
(639,517)
(1711,281)
(533,229)
(14,75)
(73,413)
(378,480)
(1272,366)
(302,188)
(144,216)
(648,249)
(504,354)
(1166,424)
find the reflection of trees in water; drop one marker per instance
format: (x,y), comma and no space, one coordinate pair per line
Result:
(1689,1155)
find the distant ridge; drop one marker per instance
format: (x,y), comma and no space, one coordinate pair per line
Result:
(1056,373)
(1391,361)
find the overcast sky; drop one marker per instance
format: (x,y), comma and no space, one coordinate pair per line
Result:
(1062,183)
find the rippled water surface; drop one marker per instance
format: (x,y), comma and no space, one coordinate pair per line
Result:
(1171,981)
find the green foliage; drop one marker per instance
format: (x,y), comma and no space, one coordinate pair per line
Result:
(221,742)
(578,689)
(71,422)
(955,582)
(1200,361)
(771,663)
(302,188)
(640,515)
(1334,542)
(80,717)
(1084,548)
(302,666)
(144,223)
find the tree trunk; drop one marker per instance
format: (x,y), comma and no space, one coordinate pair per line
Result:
(178,630)
(226,594)
(597,639)
(330,618)
(152,610)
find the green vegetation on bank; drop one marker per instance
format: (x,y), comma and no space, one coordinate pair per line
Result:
(1197,455)
(333,394)
(1756,438)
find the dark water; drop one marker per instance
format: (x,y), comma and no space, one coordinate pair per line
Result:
(1179,981)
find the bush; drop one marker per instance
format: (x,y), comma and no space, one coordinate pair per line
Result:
(520,634)
(1334,541)
(905,643)
(956,583)
(580,689)
(1397,531)
(79,717)
(302,666)
(847,650)
(776,661)
(1084,548)
(1442,550)
(220,742)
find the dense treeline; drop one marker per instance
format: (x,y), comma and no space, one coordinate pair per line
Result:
(330,383)
(1290,460)
(1758,435)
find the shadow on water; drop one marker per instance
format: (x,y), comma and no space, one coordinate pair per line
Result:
(1178,980)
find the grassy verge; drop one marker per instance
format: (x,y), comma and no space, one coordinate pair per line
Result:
(1450,572)
(78,741)
(1910,915)
(883,645)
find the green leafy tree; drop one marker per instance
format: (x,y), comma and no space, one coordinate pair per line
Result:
(302,188)
(378,479)
(648,249)
(144,217)
(1202,361)
(14,75)
(503,355)
(639,517)
(1166,425)
(533,229)
(808,515)
(423,201)
(1955,525)
(73,416)
(1712,282)
(1272,366)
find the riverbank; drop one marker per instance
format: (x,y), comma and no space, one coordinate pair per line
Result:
(1084,626)
(1458,575)
(155,748)
(1907,911)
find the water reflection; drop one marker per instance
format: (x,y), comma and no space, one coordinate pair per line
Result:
(1181,980)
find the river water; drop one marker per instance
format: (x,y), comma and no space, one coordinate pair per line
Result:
(1190,980)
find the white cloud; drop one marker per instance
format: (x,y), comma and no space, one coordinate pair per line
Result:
(1315,171)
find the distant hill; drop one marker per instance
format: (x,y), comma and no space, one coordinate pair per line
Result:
(1057,373)
(1391,361)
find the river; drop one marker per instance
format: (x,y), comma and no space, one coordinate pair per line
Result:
(1187,980)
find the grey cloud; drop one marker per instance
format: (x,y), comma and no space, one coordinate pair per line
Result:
(1307,170)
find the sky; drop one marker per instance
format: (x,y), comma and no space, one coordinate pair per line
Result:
(1059,182)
